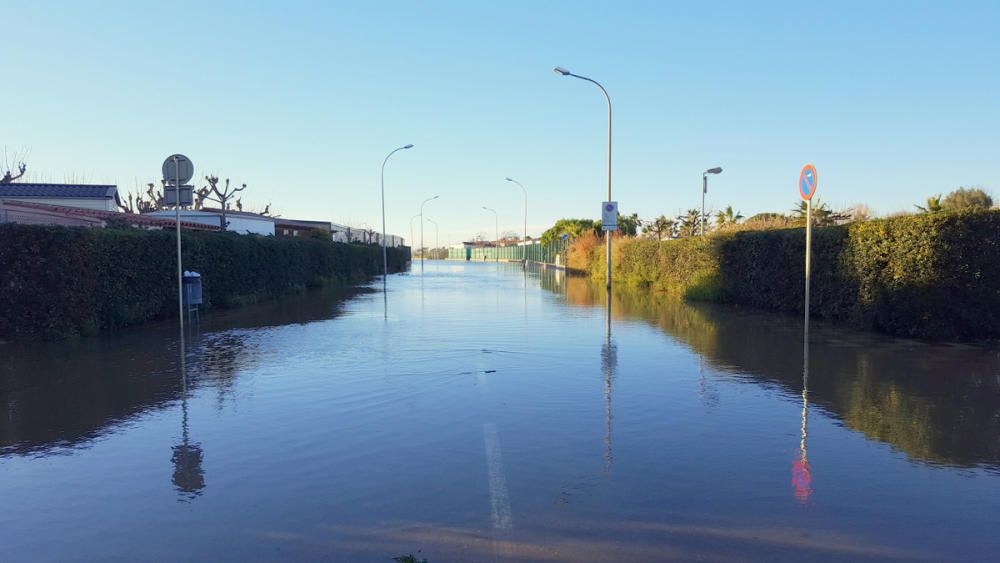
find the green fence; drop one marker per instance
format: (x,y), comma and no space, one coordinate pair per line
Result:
(534,251)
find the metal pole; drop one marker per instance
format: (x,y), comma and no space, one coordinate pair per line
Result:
(177,218)
(565,72)
(704,190)
(422,231)
(808,259)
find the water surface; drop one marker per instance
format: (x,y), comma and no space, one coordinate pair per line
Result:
(493,416)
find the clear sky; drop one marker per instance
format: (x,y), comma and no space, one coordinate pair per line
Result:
(892,101)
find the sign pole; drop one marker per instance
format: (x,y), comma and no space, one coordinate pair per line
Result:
(177,218)
(808,257)
(808,182)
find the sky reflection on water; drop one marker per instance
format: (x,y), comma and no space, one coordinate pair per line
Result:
(491,416)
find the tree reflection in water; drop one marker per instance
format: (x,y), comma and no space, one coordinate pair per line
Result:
(938,403)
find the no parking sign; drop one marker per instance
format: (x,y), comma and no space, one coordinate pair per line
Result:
(808,182)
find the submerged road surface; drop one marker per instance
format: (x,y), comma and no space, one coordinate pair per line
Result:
(491,417)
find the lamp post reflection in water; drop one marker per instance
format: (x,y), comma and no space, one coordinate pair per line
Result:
(609,364)
(188,477)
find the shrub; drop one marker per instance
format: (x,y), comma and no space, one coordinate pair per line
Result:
(57,281)
(932,275)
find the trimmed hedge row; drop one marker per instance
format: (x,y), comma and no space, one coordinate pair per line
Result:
(57,281)
(929,276)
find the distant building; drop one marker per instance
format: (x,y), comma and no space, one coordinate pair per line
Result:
(86,196)
(240,222)
(28,213)
(293,228)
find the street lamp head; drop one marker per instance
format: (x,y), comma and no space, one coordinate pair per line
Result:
(716,170)
(561,70)
(407,146)
(435,197)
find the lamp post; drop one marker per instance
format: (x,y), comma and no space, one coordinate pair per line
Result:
(524,248)
(704,190)
(385,259)
(496,244)
(411,229)
(607,234)
(436,231)
(422,231)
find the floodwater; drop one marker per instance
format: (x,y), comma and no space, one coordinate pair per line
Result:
(491,416)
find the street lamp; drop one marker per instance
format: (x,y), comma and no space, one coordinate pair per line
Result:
(607,234)
(496,244)
(436,244)
(385,259)
(704,190)
(422,231)
(411,230)
(524,249)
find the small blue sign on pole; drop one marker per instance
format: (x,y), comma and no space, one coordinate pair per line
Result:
(609,216)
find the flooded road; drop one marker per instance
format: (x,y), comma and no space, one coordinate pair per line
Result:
(492,417)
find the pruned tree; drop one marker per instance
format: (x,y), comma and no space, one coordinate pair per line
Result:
(660,227)
(138,202)
(222,196)
(17,163)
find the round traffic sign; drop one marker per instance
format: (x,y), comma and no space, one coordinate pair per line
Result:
(808,182)
(178,168)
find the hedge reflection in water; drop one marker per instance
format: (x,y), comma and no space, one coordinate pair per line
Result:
(59,395)
(938,403)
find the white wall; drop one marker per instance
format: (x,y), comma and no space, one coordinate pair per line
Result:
(100,204)
(237,223)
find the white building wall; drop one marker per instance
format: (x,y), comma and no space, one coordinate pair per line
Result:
(100,204)
(237,223)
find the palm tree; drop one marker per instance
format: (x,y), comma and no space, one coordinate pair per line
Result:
(728,217)
(933,205)
(822,216)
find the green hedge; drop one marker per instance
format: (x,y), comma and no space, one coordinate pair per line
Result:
(57,281)
(930,276)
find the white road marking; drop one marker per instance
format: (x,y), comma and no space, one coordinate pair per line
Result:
(498,483)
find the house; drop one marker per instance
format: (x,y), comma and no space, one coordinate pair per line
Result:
(237,221)
(29,213)
(293,228)
(86,196)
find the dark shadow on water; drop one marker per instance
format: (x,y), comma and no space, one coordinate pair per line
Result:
(58,395)
(938,403)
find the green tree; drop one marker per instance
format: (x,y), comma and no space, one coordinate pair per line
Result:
(661,226)
(933,205)
(572,227)
(628,225)
(822,216)
(728,217)
(689,224)
(967,198)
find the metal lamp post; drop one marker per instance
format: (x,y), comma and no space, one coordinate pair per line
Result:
(436,231)
(385,259)
(411,229)
(704,190)
(524,251)
(607,234)
(422,231)
(496,247)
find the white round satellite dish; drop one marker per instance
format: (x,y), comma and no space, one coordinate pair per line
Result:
(178,168)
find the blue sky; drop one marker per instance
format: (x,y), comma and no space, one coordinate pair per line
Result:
(892,101)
